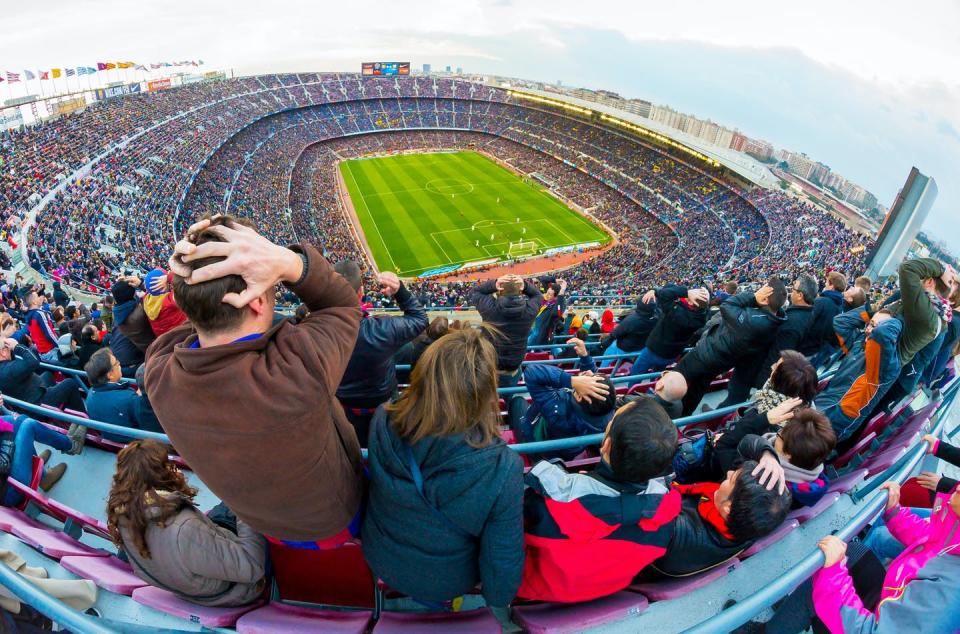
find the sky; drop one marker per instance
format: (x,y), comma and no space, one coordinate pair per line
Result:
(869,88)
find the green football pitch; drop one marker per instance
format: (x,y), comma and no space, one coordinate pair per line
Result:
(423,212)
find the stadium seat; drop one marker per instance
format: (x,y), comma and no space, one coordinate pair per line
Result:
(913,495)
(108,573)
(566,618)
(74,522)
(55,544)
(339,576)
(537,356)
(11,518)
(283,618)
(861,447)
(470,622)
(848,481)
(782,531)
(807,513)
(164,601)
(676,587)
(878,463)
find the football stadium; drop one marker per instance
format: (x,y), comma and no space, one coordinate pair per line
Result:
(385,349)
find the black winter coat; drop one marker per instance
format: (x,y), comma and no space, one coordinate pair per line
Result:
(18,378)
(820,331)
(512,315)
(632,331)
(371,377)
(466,528)
(696,545)
(744,330)
(677,324)
(789,336)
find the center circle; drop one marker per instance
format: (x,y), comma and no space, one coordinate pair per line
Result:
(448,186)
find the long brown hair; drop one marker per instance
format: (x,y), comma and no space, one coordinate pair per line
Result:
(143,469)
(453,390)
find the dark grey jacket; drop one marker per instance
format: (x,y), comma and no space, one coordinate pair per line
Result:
(371,377)
(466,529)
(512,315)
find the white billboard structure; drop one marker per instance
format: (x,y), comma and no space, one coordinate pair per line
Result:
(903,222)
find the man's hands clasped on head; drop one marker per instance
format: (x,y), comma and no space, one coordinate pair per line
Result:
(246,253)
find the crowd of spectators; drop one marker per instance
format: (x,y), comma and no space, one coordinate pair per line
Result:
(264,147)
(207,328)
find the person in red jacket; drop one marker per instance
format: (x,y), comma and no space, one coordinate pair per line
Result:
(159,304)
(587,535)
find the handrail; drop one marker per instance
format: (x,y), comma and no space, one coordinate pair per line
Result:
(596,439)
(76,372)
(54,609)
(128,432)
(606,357)
(750,606)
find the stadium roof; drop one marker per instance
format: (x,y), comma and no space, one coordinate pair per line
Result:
(742,164)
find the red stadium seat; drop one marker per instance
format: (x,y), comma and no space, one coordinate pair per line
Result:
(339,576)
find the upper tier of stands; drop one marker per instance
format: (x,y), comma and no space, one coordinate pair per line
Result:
(160,159)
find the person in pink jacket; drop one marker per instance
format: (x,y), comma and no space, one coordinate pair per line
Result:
(920,588)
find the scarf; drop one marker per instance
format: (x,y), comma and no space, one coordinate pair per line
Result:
(942,306)
(792,472)
(767,398)
(706,508)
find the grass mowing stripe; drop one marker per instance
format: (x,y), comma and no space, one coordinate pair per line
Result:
(423,206)
(357,193)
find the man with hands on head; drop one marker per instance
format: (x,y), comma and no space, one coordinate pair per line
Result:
(371,377)
(251,404)
(563,406)
(683,312)
(510,305)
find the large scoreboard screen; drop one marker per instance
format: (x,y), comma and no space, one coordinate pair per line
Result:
(385,68)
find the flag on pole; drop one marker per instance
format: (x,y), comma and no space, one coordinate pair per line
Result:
(70,72)
(44,75)
(1,79)
(85,70)
(124,64)
(140,67)
(55,72)
(29,75)
(13,77)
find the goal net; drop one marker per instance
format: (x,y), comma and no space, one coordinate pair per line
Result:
(521,249)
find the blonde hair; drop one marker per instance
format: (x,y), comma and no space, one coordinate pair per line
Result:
(453,390)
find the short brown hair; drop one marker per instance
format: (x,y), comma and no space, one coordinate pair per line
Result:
(837,280)
(863,282)
(511,287)
(795,377)
(99,366)
(438,328)
(859,298)
(731,287)
(453,390)
(808,438)
(203,303)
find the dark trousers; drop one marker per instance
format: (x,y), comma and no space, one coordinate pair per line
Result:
(697,387)
(738,389)
(65,393)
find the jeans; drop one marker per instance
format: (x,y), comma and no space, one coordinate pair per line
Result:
(647,361)
(883,544)
(27,431)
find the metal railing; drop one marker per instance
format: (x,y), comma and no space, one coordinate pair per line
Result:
(725,621)
(750,606)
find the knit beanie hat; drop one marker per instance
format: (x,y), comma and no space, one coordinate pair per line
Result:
(123,292)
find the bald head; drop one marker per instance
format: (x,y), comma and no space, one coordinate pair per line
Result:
(671,386)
